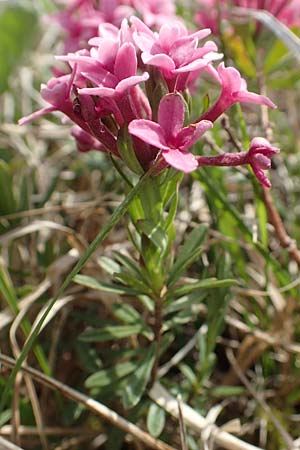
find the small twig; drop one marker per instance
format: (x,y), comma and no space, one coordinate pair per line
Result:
(179,356)
(49,431)
(181,425)
(284,239)
(285,436)
(232,138)
(91,404)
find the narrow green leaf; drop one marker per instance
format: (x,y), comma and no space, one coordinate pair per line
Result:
(126,313)
(5,416)
(7,200)
(137,382)
(208,283)
(127,152)
(111,332)
(188,372)
(227,391)
(184,302)
(90,282)
(156,420)
(188,253)
(155,233)
(109,265)
(108,376)
(263,221)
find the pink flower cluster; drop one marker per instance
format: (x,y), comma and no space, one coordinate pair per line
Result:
(128,89)
(287,11)
(80,19)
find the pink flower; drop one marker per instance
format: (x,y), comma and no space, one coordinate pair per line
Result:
(57,92)
(122,75)
(81,111)
(155,12)
(258,156)
(81,19)
(168,134)
(174,51)
(234,90)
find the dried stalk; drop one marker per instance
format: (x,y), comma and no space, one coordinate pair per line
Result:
(197,422)
(91,404)
(7,445)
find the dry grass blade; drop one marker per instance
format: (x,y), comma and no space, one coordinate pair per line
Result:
(181,426)
(7,445)
(49,431)
(91,404)
(6,316)
(197,422)
(29,384)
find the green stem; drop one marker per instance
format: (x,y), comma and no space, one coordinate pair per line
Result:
(115,218)
(157,328)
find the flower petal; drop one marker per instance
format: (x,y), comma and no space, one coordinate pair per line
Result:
(194,65)
(171,115)
(131,81)
(231,79)
(126,62)
(260,175)
(101,91)
(189,135)
(180,160)
(148,131)
(36,115)
(252,97)
(159,60)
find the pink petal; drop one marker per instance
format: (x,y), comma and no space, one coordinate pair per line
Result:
(252,97)
(101,91)
(149,132)
(73,57)
(262,178)
(143,41)
(171,115)
(261,161)
(107,53)
(108,30)
(208,47)
(168,33)
(183,161)
(183,53)
(160,60)
(126,62)
(36,115)
(189,135)
(231,78)
(101,76)
(195,65)
(140,26)
(201,34)
(131,81)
